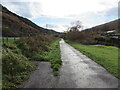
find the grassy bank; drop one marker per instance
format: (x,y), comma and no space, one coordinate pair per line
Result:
(15,66)
(41,49)
(107,56)
(52,55)
(17,57)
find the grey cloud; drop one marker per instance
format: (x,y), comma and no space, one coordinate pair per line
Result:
(24,9)
(51,26)
(21,8)
(113,12)
(66,26)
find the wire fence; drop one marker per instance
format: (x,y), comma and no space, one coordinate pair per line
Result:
(9,39)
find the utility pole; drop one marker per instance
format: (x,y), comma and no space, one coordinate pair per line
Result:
(46,26)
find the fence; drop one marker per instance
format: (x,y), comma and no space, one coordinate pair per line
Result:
(9,39)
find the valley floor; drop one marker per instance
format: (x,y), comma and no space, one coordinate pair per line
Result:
(77,71)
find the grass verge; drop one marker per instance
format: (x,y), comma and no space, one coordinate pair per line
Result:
(107,56)
(41,48)
(52,55)
(16,56)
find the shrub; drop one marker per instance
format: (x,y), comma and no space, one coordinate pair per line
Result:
(30,46)
(12,47)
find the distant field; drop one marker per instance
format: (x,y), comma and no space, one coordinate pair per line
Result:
(9,39)
(107,56)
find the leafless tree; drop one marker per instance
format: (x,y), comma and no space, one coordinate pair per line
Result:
(76,26)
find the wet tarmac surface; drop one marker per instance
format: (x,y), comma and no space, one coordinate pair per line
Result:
(77,71)
(41,78)
(83,71)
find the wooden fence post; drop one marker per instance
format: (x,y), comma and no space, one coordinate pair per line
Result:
(14,38)
(3,39)
(7,39)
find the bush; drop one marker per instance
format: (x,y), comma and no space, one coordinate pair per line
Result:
(24,48)
(12,47)
(31,46)
(84,36)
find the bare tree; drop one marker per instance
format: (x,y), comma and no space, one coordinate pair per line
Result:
(76,26)
(73,32)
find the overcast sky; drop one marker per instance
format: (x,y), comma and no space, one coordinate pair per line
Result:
(58,14)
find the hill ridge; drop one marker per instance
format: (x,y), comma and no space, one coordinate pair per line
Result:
(15,25)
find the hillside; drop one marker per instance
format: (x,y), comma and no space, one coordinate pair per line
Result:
(14,25)
(113,25)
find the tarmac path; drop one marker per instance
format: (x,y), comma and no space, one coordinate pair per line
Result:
(77,71)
